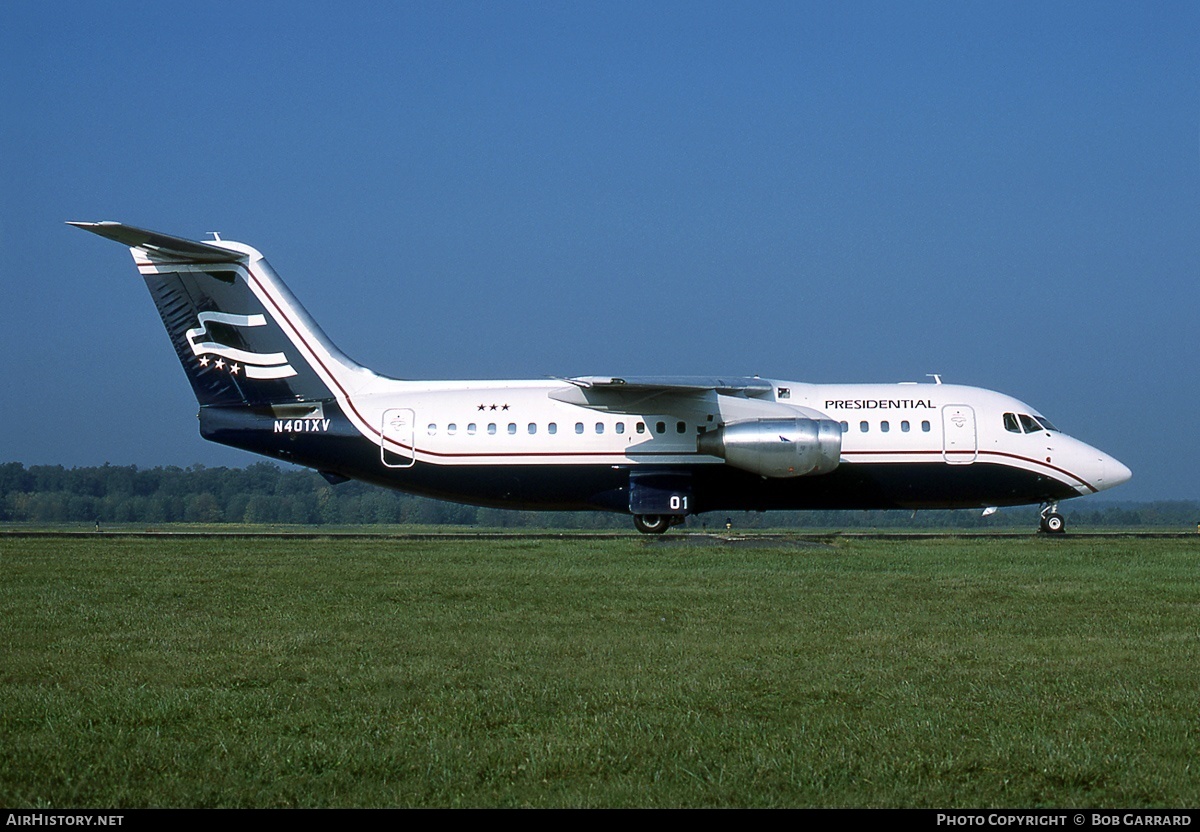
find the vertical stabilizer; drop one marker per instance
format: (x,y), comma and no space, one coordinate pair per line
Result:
(240,335)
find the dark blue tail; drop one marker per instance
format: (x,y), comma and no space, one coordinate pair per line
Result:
(240,335)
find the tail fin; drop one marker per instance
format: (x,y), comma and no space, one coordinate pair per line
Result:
(241,336)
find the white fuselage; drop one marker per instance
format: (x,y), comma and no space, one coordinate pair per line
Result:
(522,422)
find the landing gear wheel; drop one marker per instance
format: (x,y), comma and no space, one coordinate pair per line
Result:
(1054,523)
(652,523)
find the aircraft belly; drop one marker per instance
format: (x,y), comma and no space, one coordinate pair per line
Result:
(721,488)
(879,486)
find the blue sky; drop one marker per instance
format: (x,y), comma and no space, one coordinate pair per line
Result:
(1003,193)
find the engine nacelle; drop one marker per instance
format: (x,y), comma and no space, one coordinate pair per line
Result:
(796,447)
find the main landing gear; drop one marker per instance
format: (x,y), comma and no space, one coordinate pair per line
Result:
(654,523)
(1052,521)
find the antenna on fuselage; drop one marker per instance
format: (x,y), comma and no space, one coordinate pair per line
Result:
(937,377)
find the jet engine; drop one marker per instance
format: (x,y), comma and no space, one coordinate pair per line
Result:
(796,447)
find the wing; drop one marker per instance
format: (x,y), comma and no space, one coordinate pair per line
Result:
(692,397)
(753,387)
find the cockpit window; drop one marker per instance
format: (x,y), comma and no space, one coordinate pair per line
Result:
(1029,424)
(1024,423)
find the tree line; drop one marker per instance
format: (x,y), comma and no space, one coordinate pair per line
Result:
(264,493)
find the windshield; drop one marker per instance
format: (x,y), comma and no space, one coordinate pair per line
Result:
(1024,423)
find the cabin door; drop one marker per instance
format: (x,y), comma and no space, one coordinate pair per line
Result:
(396,447)
(959,443)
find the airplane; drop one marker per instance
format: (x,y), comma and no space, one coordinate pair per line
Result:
(268,380)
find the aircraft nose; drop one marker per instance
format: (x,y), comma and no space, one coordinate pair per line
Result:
(1114,472)
(1096,471)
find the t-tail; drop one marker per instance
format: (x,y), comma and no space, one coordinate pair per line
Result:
(257,362)
(241,336)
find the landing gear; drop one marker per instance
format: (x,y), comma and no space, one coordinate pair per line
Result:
(1052,521)
(652,523)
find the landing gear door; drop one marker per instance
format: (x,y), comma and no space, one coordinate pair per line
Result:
(396,447)
(959,443)
(660,492)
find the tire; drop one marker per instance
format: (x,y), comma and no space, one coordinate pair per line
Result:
(1055,523)
(652,523)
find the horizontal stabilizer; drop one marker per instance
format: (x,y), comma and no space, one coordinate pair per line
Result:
(173,247)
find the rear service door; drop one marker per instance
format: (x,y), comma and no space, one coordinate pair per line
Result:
(396,448)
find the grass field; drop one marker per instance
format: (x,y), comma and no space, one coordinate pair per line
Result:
(623,672)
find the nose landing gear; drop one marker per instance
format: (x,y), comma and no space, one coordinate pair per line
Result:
(1052,522)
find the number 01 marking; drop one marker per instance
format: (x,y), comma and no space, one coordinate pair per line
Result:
(678,503)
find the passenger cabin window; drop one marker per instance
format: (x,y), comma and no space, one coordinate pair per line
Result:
(864,426)
(451,428)
(552,428)
(904,426)
(925,426)
(512,428)
(599,427)
(432,430)
(620,427)
(579,427)
(492,429)
(532,428)
(660,427)
(471,429)
(885,427)
(845,427)
(641,427)
(681,427)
